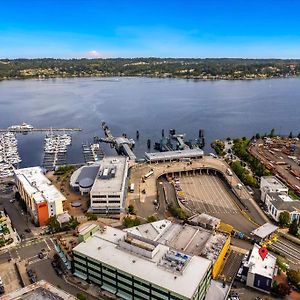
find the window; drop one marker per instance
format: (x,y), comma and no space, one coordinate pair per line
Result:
(99,201)
(99,196)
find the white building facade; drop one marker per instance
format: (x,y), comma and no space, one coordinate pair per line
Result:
(109,190)
(42,198)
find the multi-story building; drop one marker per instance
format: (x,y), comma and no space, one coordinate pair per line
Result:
(194,240)
(109,190)
(42,198)
(133,267)
(271,184)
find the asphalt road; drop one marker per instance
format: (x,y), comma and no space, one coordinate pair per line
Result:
(19,222)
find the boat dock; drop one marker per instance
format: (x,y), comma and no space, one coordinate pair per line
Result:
(55,150)
(92,152)
(9,156)
(122,144)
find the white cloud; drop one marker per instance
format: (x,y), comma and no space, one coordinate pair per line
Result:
(93,54)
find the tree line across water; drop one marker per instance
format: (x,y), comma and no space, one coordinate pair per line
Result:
(222,68)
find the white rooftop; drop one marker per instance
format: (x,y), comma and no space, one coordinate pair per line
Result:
(194,240)
(274,182)
(105,247)
(110,177)
(38,185)
(264,230)
(264,267)
(152,231)
(169,155)
(285,198)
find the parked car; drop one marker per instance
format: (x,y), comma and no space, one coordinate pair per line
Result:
(30,272)
(41,255)
(28,230)
(2,290)
(33,279)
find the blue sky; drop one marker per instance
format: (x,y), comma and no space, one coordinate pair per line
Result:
(136,28)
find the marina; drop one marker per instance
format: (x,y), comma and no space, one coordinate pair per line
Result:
(92,152)
(55,150)
(9,156)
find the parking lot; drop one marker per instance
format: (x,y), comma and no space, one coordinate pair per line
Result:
(209,194)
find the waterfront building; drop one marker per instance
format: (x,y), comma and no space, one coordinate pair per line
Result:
(178,155)
(259,273)
(83,178)
(42,198)
(109,189)
(133,267)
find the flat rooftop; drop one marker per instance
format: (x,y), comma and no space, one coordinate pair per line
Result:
(105,247)
(274,182)
(172,155)
(264,230)
(40,290)
(264,267)
(38,185)
(194,240)
(110,176)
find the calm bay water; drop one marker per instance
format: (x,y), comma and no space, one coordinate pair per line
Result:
(221,108)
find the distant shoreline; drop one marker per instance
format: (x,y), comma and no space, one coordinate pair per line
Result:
(184,68)
(153,77)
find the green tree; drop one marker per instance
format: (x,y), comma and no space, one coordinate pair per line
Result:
(293,228)
(82,296)
(294,277)
(282,289)
(291,135)
(284,218)
(91,217)
(73,223)
(151,219)
(131,209)
(272,132)
(129,221)
(53,224)
(257,136)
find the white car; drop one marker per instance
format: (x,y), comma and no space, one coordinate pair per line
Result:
(1,282)
(12,200)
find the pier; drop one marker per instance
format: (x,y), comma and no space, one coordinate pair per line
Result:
(16,130)
(122,144)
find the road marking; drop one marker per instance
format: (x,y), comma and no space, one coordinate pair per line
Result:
(48,244)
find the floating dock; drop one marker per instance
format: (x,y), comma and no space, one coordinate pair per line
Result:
(92,152)
(55,150)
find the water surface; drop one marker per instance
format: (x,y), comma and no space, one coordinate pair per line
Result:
(221,108)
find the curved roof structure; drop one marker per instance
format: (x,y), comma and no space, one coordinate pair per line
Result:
(86,182)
